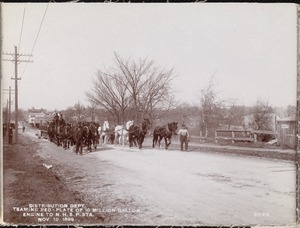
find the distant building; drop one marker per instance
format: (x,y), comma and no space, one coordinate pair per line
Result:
(35,116)
(286,130)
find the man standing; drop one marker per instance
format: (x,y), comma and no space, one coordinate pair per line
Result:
(10,135)
(4,129)
(184,137)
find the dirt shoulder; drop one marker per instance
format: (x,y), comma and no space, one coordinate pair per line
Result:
(26,181)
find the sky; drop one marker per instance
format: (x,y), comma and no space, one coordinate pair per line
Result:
(249,48)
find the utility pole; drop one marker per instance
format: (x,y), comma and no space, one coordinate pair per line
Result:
(16,94)
(9,106)
(7,113)
(16,61)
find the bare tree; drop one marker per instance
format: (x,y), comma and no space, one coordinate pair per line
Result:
(262,115)
(233,114)
(137,86)
(91,112)
(210,109)
(75,113)
(109,93)
(290,111)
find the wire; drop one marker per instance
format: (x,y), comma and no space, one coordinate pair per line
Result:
(24,69)
(36,37)
(40,28)
(19,46)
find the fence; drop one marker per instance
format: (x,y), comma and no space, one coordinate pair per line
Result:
(241,135)
(285,135)
(234,135)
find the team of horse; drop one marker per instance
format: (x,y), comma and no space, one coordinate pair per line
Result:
(79,135)
(91,134)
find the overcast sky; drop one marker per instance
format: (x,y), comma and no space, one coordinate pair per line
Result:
(249,48)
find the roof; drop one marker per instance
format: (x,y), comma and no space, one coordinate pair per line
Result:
(287,119)
(33,110)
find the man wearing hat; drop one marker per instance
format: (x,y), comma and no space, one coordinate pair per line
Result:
(184,136)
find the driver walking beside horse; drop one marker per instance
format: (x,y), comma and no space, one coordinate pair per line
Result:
(184,137)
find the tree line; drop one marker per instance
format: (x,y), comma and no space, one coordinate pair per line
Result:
(140,89)
(134,90)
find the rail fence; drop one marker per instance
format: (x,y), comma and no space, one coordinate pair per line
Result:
(236,135)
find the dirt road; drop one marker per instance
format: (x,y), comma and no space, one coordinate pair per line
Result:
(152,186)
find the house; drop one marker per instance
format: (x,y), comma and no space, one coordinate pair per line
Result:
(35,116)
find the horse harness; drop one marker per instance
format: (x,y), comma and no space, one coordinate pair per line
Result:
(165,130)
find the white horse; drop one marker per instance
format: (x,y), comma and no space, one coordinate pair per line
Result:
(121,132)
(103,132)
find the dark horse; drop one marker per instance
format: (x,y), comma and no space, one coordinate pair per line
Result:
(165,132)
(80,136)
(59,134)
(93,136)
(136,134)
(67,136)
(51,131)
(56,132)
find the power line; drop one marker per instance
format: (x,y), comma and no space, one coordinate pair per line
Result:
(40,28)
(24,70)
(19,46)
(36,38)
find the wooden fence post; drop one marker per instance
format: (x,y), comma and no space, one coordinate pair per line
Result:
(255,137)
(232,135)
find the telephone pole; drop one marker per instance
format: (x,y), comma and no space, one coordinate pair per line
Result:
(9,106)
(7,113)
(16,60)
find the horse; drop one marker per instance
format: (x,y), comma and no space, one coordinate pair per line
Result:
(103,132)
(86,139)
(93,135)
(165,132)
(121,132)
(80,136)
(137,134)
(59,134)
(67,139)
(56,128)
(51,131)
